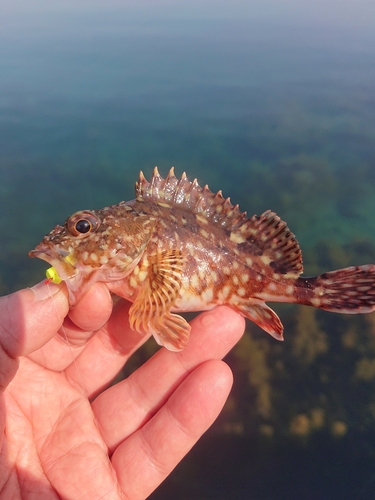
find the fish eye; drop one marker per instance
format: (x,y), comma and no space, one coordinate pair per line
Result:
(82,224)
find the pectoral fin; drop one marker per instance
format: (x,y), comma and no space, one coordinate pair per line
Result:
(150,311)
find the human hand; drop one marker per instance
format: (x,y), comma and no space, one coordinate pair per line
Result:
(59,439)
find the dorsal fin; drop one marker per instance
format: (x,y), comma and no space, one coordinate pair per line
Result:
(269,236)
(265,235)
(189,195)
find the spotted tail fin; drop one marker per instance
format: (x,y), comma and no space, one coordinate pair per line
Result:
(350,290)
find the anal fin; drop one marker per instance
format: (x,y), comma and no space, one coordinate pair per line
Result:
(263,316)
(150,311)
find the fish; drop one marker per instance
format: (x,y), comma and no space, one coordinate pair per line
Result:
(179,247)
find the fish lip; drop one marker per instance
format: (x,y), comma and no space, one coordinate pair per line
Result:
(39,251)
(44,251)
(57,257)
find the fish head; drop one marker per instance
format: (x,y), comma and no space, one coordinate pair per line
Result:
(103,245)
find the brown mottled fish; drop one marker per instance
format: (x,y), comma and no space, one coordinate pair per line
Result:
(179,247)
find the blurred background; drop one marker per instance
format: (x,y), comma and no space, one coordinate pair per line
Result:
(271,101)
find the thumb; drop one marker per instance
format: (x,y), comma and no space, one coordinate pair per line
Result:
(28,319)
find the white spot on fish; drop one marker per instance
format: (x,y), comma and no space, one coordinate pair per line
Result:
(245,278)
(133,282)
(207,295)
(103,259)
(225,292)
(265,259)
(191,251)
(236,238)
(202,274)
(316,302)
(194,281)
(201,219)
(290,290)
(214,276)
(142,275)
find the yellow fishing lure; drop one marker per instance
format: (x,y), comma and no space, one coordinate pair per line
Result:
(53,275)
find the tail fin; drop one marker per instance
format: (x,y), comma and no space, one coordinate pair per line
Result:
(350,290)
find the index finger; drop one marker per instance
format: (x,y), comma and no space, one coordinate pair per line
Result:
(87,317)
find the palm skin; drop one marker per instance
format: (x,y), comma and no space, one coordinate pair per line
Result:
(60,439)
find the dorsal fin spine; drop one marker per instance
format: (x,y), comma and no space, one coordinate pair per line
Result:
(170,175)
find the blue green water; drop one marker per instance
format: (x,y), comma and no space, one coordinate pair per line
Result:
(277,111)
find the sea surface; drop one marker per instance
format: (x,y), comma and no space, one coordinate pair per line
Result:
(277,111)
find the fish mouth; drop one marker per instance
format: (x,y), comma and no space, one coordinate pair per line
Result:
(61,260)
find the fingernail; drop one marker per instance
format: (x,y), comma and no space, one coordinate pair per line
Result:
(43,290)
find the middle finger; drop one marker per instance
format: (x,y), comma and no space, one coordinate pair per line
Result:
(135,400)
